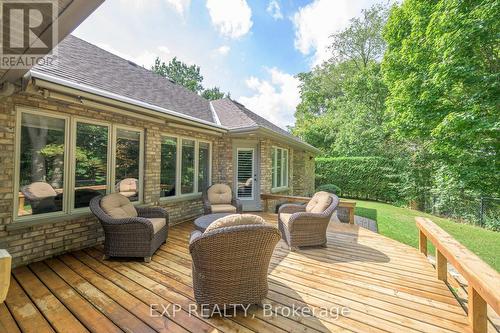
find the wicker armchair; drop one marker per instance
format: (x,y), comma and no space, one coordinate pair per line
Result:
(129,231)
(305,225)
(231,261)
(219,198)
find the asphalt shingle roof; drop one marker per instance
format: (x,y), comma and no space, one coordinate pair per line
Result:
(81,62)
(235,115)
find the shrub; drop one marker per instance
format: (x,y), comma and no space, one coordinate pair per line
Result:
(331,188)
(360,177)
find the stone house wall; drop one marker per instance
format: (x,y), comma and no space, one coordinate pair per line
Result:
(33,242)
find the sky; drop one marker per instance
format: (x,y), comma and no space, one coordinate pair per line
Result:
(250,48)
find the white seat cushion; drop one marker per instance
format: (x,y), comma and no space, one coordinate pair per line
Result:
(117,206)
(223,208)
(158,223)
(319,203)
(235,219)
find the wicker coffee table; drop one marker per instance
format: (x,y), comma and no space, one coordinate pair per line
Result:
(202,222)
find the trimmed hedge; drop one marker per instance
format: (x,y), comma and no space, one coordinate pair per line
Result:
(372,178)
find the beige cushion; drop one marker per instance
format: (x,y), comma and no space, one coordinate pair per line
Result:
(128,185)
(117,206)
(285,218)
(128,194)
(224,208)
(40,190)
(158,223)
(319,203)
(219,194)
(235,219)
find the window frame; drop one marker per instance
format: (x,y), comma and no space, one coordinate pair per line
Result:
(178,164)
(284,172)
(70,162)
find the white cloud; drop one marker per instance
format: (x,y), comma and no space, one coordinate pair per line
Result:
(275,99)
(164,49)
(223,50)
(274,10)
(180,6)
(315,22)
(231,18)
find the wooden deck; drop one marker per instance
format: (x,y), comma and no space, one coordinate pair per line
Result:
(385,285)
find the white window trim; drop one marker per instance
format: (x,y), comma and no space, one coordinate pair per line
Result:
(70,162)
(178,164)
(253,173)
(275,168)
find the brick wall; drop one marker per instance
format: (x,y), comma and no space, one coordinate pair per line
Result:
(70,233)
(75,232)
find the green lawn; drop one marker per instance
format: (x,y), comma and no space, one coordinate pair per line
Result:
(399,224)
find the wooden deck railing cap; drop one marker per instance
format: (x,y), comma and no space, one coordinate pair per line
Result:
(483,279)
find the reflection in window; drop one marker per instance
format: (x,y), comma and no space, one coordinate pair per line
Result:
(91,162)
(168,167)
(41,174)
(128,147)
(280,167)
(203,166)
(187,166)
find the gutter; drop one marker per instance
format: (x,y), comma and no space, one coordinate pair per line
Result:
(271,133)
(85,91)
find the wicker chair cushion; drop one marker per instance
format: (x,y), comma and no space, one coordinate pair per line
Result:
(235,219)
(223,208)
(39,190)
(285,218)
(219,194)
(157,223)
(117,206)
(128,185)
(319,203)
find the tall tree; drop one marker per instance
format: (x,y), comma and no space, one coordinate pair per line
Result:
(342,104)
(181,73)
(214,93)
(361,42)
(442,70)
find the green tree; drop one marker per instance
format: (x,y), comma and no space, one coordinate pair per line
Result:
(214,93)
(442,71)
(342,108)
(181,73)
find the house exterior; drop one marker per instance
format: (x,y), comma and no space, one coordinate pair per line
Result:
(93,123)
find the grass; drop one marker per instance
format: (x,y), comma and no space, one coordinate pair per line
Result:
(399,224)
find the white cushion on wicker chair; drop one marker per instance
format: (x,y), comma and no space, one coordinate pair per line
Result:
(157,223)
(223,208)
(117,206)
(319,202)
(235,219)
(219,194)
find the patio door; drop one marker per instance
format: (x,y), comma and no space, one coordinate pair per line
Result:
(247,178)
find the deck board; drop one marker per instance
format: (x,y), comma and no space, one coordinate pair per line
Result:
(385,285)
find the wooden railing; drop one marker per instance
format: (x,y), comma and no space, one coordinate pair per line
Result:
(483,281)
(350,205)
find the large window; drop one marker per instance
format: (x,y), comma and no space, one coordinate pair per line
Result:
(185,166)
(42,152)
(127,163)
(91,162)
(63,162)
(168,169)
(280,167)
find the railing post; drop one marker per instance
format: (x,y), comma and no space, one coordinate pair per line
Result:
(351,215)
(441,266)
(422,243)
(478,316)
